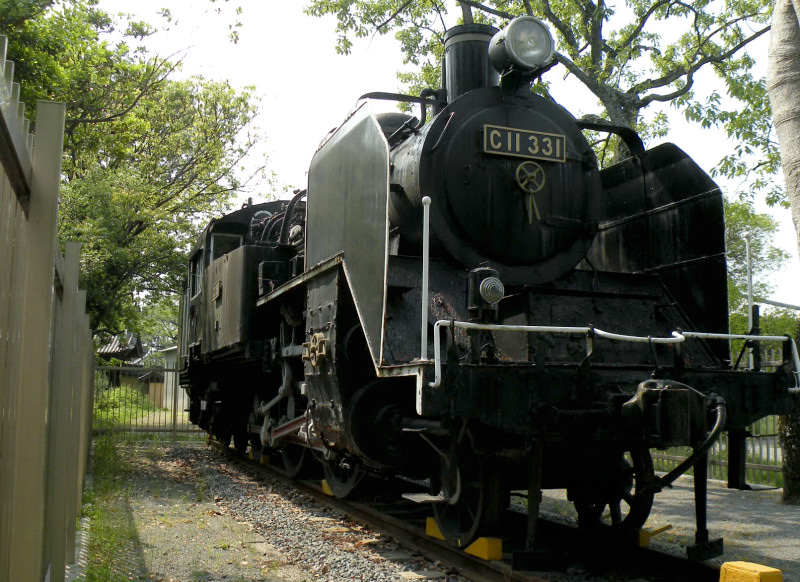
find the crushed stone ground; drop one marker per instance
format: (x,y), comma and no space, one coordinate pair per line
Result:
(185,534)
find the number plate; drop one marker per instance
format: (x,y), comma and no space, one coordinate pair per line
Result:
(521,143)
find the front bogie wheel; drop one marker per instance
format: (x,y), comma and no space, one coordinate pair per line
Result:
(620,499)
(475,504)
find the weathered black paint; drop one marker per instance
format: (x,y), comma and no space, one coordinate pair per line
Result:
(636,249)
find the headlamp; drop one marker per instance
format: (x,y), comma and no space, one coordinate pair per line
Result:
(525,44)
(491,290)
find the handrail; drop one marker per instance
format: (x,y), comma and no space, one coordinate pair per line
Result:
(590,332)
(776,338)
(426,221)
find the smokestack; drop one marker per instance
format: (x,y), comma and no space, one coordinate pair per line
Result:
(466,60)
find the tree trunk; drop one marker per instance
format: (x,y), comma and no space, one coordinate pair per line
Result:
(789,436)
(789,432)
(466,13)
(783,86)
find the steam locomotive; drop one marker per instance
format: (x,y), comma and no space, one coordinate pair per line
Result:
(468,300)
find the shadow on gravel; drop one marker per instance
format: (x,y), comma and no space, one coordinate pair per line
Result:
(116,552)
(183,532)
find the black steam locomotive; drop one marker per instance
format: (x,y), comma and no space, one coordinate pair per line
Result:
(468,300)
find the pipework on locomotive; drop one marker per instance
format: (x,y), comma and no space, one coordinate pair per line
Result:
(576,316)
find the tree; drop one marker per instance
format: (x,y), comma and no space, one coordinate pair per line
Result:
(624,59)
(59,53)
(137,207)
(783,87)
(148,159)
(159,329)
(741,221)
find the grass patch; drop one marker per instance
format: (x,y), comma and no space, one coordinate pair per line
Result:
(200,489)
(128,409)
(119,406)
(114,552)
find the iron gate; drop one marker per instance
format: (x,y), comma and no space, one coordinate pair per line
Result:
(144,403)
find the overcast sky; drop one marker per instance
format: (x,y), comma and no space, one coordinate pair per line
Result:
(306,89)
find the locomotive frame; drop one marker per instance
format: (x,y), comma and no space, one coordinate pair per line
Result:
(577,317)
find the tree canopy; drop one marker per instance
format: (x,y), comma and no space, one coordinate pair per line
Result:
(743,222)
(629,55)
(148,157)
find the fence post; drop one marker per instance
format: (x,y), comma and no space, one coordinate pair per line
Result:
(14,185)
(11,322)
(74,482)
(61,394)
(29,443)
(173,381)
(88,405)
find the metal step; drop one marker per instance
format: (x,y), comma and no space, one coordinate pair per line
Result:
(423,498)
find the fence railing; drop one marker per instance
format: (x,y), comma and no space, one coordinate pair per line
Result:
(45,350)
(143,403)
(763,456)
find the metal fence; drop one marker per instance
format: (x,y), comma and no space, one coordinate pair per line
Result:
(763,462)
(763,457)
(45,350)
(141,403)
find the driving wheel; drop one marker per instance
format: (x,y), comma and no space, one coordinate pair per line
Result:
(297,460)
(344,476)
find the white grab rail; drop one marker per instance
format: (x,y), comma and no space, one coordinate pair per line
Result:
(676,338)
(426,259)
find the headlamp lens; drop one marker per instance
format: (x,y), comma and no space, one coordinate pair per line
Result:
(525,44)
(529,42)
(491,290)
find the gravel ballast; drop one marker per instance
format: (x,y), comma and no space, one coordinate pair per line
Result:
(202,518)
(327,545)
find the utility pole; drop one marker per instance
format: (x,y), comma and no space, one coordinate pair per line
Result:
(749,294)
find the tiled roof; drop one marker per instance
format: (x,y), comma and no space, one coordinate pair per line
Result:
(126,346)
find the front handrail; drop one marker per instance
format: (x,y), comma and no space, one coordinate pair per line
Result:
(591,332)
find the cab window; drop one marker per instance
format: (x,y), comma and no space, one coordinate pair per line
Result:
(195,273)
(223,243)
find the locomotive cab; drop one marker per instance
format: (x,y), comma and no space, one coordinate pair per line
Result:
(223,243)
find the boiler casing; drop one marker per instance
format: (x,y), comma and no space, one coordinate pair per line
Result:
(513,183)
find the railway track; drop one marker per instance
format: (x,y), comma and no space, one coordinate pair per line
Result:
(559,546)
